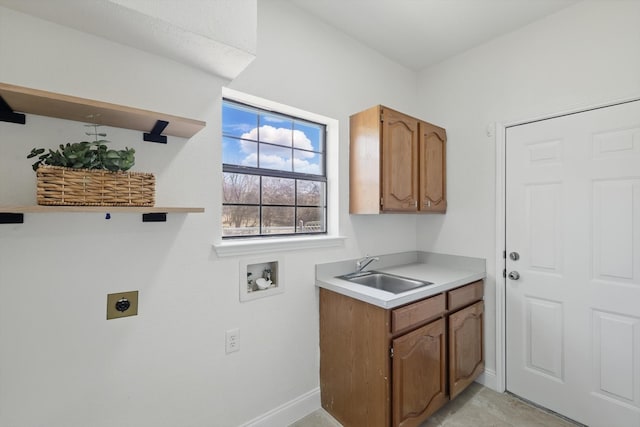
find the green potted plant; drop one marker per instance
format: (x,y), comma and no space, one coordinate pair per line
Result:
(86,155)
(89,173)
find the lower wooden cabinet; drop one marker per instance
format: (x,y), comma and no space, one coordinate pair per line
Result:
(419,374)
(381,368)
(466,352)
(355,372)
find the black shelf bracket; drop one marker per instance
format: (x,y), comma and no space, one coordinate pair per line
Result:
(156,133)
(154,217)
(8,115)
(11,218)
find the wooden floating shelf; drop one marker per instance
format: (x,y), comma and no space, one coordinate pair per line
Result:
(15,214)
(17,100)
(43,103)
(99,209)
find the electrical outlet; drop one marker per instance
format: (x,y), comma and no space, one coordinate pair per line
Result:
(122,304)
(232,340)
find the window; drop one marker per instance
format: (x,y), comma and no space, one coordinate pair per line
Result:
(274,173)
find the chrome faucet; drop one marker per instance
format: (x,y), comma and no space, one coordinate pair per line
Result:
(363,262)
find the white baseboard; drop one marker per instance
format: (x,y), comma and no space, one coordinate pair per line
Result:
(309,402)
(488,379)
(289,412)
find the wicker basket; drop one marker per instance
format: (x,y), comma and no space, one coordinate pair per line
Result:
(94,187)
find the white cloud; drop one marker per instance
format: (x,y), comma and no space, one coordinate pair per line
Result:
(271,161)
(250,160)
(304,166)
(280,136)
(272,157)
(238,127)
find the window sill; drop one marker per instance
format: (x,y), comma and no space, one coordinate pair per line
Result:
(261,245)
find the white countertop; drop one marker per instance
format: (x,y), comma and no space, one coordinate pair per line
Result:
(444,271)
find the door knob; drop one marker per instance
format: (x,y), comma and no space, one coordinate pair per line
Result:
(514,256)
(514,275)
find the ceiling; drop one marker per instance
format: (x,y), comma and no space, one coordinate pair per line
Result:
(218,36)
(420,33)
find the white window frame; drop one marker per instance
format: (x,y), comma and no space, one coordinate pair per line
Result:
(250,245)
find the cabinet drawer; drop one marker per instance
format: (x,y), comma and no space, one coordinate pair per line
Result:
(465,295)
(418,312)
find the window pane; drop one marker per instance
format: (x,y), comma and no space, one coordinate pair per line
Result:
(238,120)
(272,157)
(278,191)
(240,220)
(239,152)
(311,133)
(276,130)
(311,220)
(277,220)
(240,188)
(311,193)
(270,161)
(308,162)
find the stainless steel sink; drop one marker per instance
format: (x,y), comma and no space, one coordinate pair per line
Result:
(384,281)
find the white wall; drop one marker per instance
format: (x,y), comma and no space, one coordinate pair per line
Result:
(61,363)
(585,55)
(306,64)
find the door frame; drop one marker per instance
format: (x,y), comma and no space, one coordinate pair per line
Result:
(501,282)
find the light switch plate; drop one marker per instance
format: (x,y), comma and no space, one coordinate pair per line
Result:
(120,300)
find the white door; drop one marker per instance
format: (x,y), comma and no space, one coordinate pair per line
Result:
(573,218)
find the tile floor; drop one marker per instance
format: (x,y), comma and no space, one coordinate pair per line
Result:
(477,406)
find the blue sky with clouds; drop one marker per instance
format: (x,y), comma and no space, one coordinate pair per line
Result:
(285,144)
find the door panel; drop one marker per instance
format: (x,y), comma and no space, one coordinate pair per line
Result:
(613,217)
(544,226)
(615,343)
(432,164)
(399,161)
(419,374)
(543,337)
(573,215)
(466,347)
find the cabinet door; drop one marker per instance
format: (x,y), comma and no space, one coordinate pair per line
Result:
(466,347)
(399,190)
(419,374)
(433,169)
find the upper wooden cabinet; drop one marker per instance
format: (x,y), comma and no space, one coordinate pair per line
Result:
(397,163)
(433,168)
